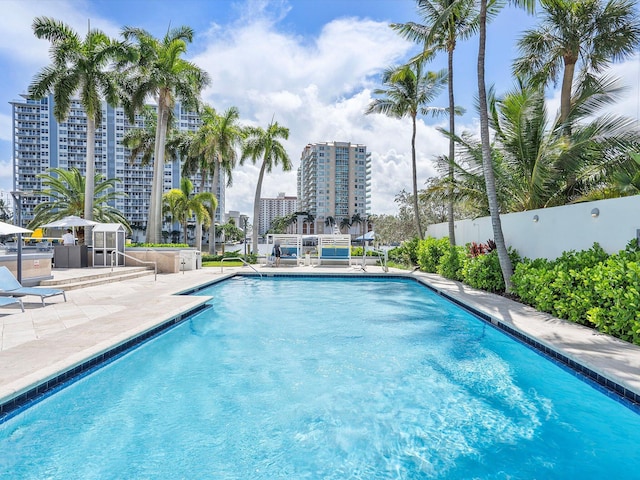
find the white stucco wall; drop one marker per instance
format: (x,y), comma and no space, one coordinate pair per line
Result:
(558,229)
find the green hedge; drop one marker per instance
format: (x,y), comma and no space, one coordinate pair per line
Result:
(430,251)
(588,287)
(484,272)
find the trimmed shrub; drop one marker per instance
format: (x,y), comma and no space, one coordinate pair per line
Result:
(451,263)
(484,272)
(588,287)
(405,254)
(430,251)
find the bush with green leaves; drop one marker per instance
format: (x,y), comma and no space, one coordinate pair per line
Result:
(250,258)
(430,251)
(405,254)
(588,287)
(452,262)
(484,272)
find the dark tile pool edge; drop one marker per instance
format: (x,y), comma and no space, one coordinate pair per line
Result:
(23,400)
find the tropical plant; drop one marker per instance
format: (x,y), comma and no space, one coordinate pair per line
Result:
(492,197)
(141,141)
(308,220)
(330,222)
(357,219)
(66,191)
(544,167)
(453,20)
(345,224)
(185,205)
(407,90)
(213,150)
(590,32)
(79,68)
(162,73)
(265,145)
(5,212)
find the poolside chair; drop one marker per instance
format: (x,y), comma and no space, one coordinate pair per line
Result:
(9,286)
(10,301)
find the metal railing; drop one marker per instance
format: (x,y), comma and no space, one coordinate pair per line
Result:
(382,258)
(242,260)
(154,263)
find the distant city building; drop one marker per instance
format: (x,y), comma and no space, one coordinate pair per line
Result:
(271,208)
(334,180)
(40,143)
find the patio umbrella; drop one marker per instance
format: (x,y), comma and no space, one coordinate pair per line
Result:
(70,221)
(8,229)
(367,236)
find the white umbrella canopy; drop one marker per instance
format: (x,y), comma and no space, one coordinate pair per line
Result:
(8,229)
(70,221)
(367,236)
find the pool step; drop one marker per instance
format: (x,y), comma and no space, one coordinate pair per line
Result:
(97,278)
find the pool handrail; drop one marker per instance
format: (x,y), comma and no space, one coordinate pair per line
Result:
(151,262)
(382,257)
(242,260)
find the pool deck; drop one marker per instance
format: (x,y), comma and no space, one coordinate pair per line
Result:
(43,342)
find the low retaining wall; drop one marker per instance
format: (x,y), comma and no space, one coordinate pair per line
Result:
(169,260)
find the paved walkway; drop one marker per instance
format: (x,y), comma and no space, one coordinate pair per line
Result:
(42,342)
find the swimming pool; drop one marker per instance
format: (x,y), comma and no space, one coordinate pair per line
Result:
(325,378)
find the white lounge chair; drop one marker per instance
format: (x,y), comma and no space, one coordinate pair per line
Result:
(9,286)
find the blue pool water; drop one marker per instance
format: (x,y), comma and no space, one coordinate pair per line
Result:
(307,378)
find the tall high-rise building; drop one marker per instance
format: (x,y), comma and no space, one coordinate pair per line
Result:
(334,180)
(40,142)
(270,208)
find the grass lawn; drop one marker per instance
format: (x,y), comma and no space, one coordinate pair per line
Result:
(230,263)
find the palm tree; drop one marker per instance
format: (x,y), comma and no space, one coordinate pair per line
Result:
(214,148)
(357,219)
(79,68)
(141,141)
(265,144)
(308,220)
(547,168)
(330,222)
(408,90)
(487,165)
(345,224)
(184,205)
(458,24)
(592,32)
(66,190)
(5,212)
(162,73)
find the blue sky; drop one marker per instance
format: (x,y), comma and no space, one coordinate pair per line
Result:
(310,64)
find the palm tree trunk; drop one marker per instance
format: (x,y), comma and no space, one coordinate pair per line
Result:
(452,149)
(415,178)
(256,208)
(212,228)
(89,188)
(565,92)
(154,222)
(487,164)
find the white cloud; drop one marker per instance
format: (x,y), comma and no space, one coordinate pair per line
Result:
(16,27)
(320,90)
